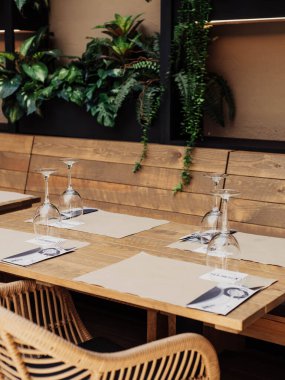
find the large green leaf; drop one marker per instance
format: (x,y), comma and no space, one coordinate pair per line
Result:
(9,85)
(12,110)
(37,71)
(32,44)
(26,45)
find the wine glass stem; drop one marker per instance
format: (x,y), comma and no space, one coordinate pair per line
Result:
(216,199)
(46,189)
(69,186)
(225,215)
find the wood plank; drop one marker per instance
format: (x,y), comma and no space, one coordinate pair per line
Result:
(268,329)
(161,178)
(191,220)
(254,212)
(14,161)
(168,156)
(158,199)
(256,164)
(15,180)
(269,189)
(16,143)
(257,229)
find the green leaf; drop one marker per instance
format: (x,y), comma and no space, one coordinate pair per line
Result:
(6,55)
(20,4)
(12,110)
(9,86)
(37,71)
(26,45)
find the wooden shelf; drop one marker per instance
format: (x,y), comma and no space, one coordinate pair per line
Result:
(247,21)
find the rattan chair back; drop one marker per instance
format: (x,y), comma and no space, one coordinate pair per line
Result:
(49,306)
(28,352)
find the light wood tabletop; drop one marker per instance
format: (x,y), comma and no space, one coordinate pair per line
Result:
(15,201)
(104,251)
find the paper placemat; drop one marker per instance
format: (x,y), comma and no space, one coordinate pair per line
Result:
(17,242)
(111,224)
(258,248)
(162,279)
(10,196)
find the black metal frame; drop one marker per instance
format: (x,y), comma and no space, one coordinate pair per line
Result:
(167,22)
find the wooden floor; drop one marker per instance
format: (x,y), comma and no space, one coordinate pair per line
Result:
(249,359)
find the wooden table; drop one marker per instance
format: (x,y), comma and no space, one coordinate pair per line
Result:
(11,204)
(104,251)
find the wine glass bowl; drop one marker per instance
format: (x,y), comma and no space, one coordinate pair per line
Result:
(223,244)
(70,201)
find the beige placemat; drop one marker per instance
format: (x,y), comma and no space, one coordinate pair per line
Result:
(14,242)
(10,196)
(113,224)
(162,279)
(258,248)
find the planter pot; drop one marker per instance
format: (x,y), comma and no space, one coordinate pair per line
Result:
(61,118)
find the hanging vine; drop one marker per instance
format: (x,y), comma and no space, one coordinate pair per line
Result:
(189,52)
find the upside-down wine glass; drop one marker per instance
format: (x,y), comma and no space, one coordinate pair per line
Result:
(46,216)
(212,220)
(224,245)
(70,200)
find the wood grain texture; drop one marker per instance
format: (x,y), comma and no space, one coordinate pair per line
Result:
(167,156)
(155,177)
(13,180)
(258,189)
(14,161)
(144,197)
(16,143)
(257,164)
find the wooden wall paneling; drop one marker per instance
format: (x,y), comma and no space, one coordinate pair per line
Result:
(16,143)
(14,161)
(257,164)
(260,179)
(122,194)
(168,156)
(162,178)
(14,180)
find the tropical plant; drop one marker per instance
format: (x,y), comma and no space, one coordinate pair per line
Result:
(24,76)
(200,91)
(124,63)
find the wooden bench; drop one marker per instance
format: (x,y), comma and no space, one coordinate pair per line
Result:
(104,176)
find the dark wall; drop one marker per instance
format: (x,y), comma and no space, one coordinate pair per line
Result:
(243,9)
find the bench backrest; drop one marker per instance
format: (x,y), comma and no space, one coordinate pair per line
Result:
(260,178)
(15,154)
(105,179)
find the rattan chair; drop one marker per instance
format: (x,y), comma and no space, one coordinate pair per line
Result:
(48,306)
(28,352)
